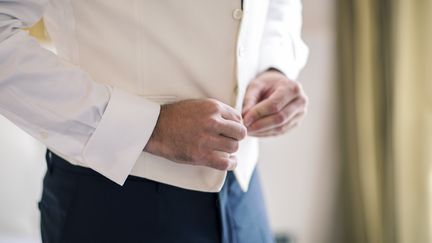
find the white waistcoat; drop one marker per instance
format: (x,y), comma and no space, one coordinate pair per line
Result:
(170,50)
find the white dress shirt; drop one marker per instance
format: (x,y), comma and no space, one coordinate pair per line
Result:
(96,102)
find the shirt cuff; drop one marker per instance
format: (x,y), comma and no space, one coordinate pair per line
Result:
(289,57)
(121,135)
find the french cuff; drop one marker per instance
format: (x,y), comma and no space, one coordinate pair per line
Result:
(120,137)
(289,57)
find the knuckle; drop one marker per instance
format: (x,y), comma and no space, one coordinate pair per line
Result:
(281,129)
(243,133)
(233,147)
(255,113)
(213,105)
(274,106)
(279,118)
(218,107)
(213,123)
(210,100)
(222,164)
(296,88)
(207,160)
(303,101)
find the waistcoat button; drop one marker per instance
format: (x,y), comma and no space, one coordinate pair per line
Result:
(237,14)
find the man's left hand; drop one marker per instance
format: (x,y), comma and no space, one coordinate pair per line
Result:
(273,104)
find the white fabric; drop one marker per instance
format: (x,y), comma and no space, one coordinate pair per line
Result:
(97,101)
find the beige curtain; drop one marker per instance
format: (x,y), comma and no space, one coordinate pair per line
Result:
(413,120)
(385,81)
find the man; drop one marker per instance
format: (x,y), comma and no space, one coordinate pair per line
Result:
(150,111)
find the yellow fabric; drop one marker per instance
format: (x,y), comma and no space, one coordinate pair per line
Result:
(385,77)
(413,120)
(38,31)
(359,73)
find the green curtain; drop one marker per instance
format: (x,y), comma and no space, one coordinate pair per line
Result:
(385,89)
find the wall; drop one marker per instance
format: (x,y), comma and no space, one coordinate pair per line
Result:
(299,170)
(21,171)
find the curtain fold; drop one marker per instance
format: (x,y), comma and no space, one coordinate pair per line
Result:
(385,89)
(413,120)
(365,98)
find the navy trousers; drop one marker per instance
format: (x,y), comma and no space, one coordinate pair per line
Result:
(79,205)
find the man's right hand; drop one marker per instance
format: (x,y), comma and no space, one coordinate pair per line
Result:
(198,132)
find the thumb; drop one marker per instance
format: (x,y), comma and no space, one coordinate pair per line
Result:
(251,98)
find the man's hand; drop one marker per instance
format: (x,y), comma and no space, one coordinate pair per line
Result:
(273,104)
(199,132)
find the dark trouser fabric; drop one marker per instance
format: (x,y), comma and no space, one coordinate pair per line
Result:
(79,205)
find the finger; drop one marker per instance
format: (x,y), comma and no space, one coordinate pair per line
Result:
(273,104)
(252,96)
(270,133)
(230,113)
(280,118)
(231,129)
(224,144)
(223,161)
(280,129)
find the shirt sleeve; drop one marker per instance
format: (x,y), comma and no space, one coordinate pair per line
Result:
(85,122)
(282,46)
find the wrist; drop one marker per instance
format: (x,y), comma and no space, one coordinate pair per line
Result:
(154,144)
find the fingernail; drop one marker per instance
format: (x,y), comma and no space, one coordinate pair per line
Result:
(245,110)
(247,121)
(232,167)
(250,130)
(233,164)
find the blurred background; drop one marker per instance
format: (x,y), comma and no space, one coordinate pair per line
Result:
(358,169)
